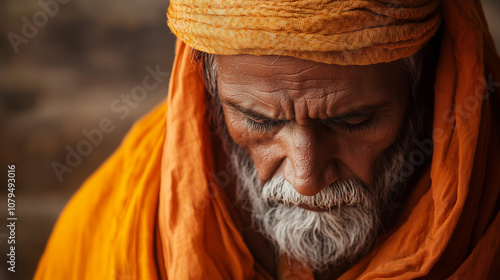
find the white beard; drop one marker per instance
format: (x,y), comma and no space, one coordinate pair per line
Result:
(318,239)
(322,240)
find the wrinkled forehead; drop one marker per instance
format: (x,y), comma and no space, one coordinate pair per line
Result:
(294,73)
(275,82)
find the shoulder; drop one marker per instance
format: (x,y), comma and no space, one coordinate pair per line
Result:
(91,230)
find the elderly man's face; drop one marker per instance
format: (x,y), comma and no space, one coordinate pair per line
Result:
(310,122)
(315,148)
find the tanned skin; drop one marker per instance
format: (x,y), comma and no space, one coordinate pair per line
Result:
(313,123)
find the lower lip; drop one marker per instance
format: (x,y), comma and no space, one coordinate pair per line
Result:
(315,209)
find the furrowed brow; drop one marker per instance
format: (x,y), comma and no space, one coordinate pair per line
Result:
(351,113)
(248,112)
(360,111)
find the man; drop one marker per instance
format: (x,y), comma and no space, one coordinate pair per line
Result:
(329,136)
(295,146)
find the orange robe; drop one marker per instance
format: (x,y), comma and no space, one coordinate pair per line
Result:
(155,211)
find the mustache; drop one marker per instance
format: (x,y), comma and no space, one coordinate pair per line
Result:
(338,194)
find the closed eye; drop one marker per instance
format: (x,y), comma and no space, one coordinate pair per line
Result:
(355,120)
(262,126)
(352,125)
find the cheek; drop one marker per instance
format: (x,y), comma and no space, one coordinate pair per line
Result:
(236,127)
(359,159)
(359,154)
(264,151)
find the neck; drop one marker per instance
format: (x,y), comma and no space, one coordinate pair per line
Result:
(330,274)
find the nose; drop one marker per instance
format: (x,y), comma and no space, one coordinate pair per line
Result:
(309,165)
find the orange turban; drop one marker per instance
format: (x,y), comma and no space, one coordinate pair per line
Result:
(336,32)
(155,209)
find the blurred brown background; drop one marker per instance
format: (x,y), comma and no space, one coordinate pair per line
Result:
(62,81)
(79,61)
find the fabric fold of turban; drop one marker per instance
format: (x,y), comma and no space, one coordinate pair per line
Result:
(334,32)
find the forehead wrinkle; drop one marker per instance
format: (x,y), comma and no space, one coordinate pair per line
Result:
(258,90)
(306,110)
(309,84)
(264,70)
(278,62)
(238,63)
(232,78)
(302,72)
(338,101)
(283,69)
(315,94)
(315,106)
(276,82)
(286,106)
(290,112)
(247,103)
(245,86)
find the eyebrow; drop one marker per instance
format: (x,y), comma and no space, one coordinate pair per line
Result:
(248,112)
(359,111)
